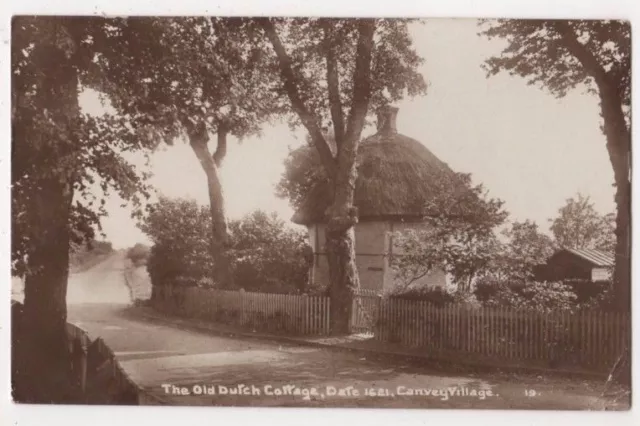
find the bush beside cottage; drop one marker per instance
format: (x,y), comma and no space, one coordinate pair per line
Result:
(266,255)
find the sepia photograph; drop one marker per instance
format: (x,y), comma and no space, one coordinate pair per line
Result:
(353,212)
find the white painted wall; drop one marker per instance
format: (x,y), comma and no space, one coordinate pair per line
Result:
(373,241)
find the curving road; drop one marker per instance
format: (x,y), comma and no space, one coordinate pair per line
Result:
(181,366)
(101,284)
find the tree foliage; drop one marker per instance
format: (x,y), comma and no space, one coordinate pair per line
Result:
(266,255)
(560,56)
(459,235)
(138,254)
(525,248)
(179,231)
(322,56)
(188,71)
(580,226)
(302,171)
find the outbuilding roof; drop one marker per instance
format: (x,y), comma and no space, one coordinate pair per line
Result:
(595,257)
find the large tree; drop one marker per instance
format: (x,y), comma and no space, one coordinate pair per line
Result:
(594,55)
(333,72)
(193,77)
(580,226)
(63,164)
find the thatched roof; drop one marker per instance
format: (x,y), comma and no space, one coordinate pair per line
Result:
(397,176)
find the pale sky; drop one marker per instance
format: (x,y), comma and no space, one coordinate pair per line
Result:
(528,148)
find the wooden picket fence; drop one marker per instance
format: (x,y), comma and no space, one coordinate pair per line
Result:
(106,381)
(583,341)
(274,313)
(589,340)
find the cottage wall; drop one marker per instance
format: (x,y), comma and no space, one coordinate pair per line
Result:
(374,245)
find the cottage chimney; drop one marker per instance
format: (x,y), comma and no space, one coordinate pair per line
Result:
(387,120)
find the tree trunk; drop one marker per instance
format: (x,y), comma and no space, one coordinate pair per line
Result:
(43,363)
(223,272)
(199,139)
(343,215)
(340,241)
(622,271)
(43,367)
(343,276)
(619,148)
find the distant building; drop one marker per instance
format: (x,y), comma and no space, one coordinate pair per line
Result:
(577,264)
(396,176)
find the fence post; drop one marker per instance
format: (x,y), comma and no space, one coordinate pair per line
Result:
(375,327)
(78,352)
(243,309)
(83,366)
(327,313)
(305,316)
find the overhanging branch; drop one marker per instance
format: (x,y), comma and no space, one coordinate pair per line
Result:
(333,83)
(362,79)
(611,100)
(580,52)
(291,85)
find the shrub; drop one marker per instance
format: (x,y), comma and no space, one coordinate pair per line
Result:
(543,296)
(268,257)
(436,295)
(180,254)
(490,291)
(603,299)
(587,290)
(172,266)
(87,254)
(265,255)
(138,254)
(549,296)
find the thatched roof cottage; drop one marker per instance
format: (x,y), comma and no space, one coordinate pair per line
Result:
(396,176)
